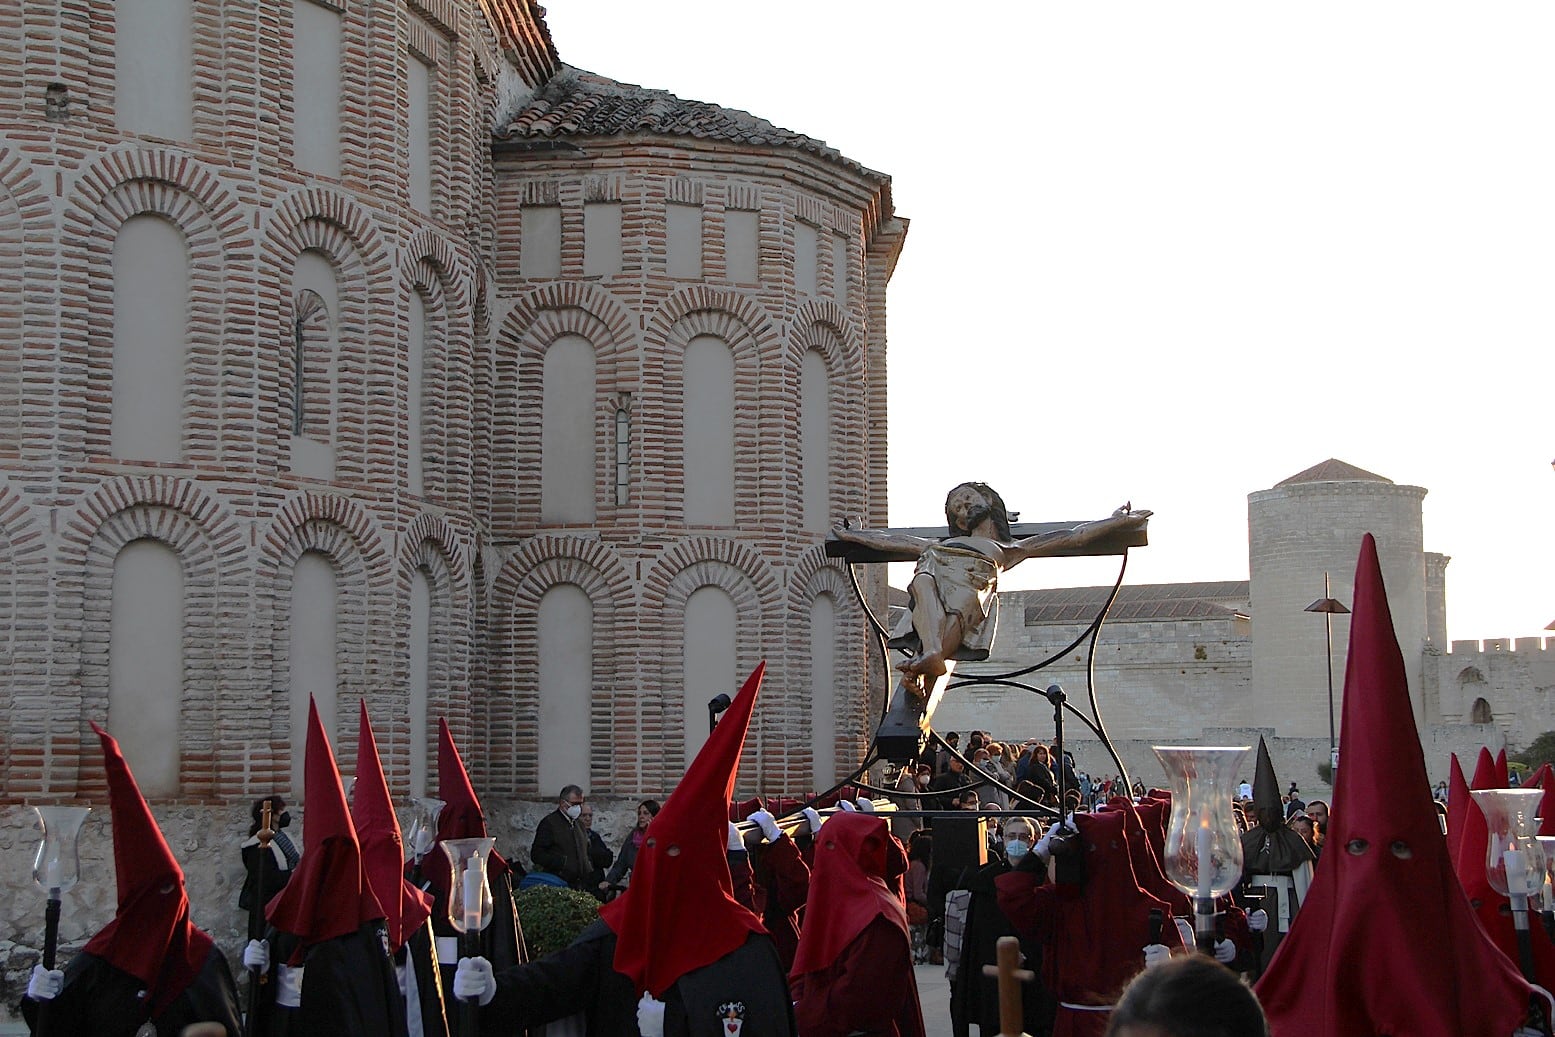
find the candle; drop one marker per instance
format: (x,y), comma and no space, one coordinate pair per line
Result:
(1516,872)
(1206,863)
(472,895)
(51,876)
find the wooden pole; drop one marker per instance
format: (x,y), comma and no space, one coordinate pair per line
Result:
(1011,976)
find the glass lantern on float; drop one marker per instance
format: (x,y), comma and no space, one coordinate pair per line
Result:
(56,867)
(1514,860)
(1203,844)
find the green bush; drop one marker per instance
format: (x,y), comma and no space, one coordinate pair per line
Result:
(553,916)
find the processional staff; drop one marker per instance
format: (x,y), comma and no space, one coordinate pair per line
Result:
(256,915)
(1010,976)
(56,869)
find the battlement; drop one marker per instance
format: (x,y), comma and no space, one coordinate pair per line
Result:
(1496,645)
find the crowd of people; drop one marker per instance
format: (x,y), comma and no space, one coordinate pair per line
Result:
(791,919)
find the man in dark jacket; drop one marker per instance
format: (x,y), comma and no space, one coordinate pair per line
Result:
(561,845)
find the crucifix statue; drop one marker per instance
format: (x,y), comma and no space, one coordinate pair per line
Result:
(952,609)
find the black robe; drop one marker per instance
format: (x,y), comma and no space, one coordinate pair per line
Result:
(105,1001)
(420,951)
(501,942)
(581,977)
(975,995)
(348,989)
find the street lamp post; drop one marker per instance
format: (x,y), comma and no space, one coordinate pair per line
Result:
(1329,607)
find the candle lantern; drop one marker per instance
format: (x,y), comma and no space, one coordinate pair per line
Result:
(423,826)
(469,907)
(57,866)
(1514,860)
(1203,844)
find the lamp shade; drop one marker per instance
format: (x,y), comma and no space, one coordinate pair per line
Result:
(57,866)
(423,826)
(1203,844)
(469,893)
(1514,860)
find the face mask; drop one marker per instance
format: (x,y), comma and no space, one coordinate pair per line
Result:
(573,812)
(1015,849)
(923,779)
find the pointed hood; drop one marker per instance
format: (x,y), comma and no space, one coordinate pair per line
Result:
(1266,786)
(1474,841)
(150,936)
(1503,780)
(1415,961)
(328,895)
(462,816)
(848,889)
(679,912)
(1457,810)
(405,907)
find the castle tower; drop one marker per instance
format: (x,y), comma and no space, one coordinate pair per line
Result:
(1304,526)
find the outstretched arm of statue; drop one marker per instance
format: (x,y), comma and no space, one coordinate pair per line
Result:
(880,540)
(1053,542)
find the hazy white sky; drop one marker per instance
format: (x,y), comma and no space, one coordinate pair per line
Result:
(1176,252)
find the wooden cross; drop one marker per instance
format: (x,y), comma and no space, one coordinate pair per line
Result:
(905,726)
(1010,976)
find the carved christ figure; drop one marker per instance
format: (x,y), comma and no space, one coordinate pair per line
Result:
(951,596)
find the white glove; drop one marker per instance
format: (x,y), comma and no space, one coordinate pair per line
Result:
(257,955)
(843,804)
(1258,921)
(814,819)
(650,1016)
(1041,849)
(1185,930)
(1155,954)
(1225,951)
(288,986)
(735,842)
(866,805)
(768,825)
(473,980)
(45,984)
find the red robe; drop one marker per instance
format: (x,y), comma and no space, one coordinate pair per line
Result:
(853,970)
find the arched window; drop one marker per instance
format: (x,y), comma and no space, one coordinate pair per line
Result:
(564,640)
(153,50)
(313,346)
(1480,713)
(312,651)
(709,432)
(316,57)
(415,362)
(150,325)
(815,442)
(146,662)
(567,432)
(420,643)
(709,654)
(823,690)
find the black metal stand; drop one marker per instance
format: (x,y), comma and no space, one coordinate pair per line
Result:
(1055,695)
(50,953)
(470,1008)
(1204,925)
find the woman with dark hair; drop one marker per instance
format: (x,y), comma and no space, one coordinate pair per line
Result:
(647,810)
(1039,771)
(278,864)
(1188,996)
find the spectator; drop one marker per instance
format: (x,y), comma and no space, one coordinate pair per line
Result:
(1187,997)
(599,855)
(907,782)
(942,790)
(647,810)
(920,850)
(560,844)
(942,762)
(1040,773)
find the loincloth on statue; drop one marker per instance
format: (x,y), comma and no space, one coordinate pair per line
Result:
(965,583)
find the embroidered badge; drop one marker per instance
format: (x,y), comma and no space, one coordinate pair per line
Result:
(732,1015)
